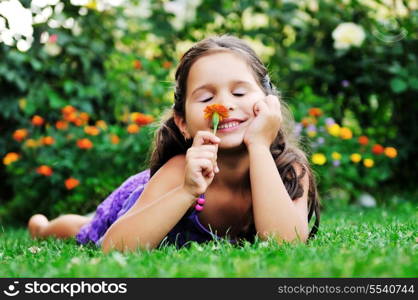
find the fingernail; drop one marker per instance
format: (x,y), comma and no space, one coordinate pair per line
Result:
(217,169)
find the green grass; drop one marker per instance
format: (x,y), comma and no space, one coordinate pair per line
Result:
(353,242)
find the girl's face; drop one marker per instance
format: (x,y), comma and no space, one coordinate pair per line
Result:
(223,78)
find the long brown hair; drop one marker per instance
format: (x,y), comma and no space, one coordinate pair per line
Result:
(285,149)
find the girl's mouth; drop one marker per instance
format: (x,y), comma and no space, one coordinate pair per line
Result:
(230,126)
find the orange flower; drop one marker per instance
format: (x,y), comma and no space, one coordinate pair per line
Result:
(37,120)
(101,124)
(308,121)
(133,128)
(216,108)
(142,119)
(346,133)
(61,125)
(84,143)
(20,134)
(71,183)
(79,122)
(68,110)
(315,112)
(114,139)
(31,143)
(10,157)
(391,152)
(44,170)
(363,140)
(48,140)
(167,64)
(137,64)
(71,117)
(378,149)
(91,130)
(84,116)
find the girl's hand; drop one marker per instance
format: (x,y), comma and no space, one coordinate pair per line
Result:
(266,124)
(201,164)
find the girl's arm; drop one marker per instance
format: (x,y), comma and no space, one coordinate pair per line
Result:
(274,211)
(161,205)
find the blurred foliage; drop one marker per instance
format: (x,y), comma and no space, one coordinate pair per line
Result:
(110,61)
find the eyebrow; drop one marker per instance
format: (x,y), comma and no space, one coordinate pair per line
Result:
(208,85)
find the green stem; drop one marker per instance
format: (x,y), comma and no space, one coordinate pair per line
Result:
(215,121)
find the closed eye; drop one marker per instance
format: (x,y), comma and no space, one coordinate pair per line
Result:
(206,100)
(238,94)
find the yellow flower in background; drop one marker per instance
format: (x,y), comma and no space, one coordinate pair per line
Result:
(334,130)
(346,133)
(10,158)
(368,162)
(319,159)
(391,152)
(311,133)
(355,157)
(336,156)
(31,143)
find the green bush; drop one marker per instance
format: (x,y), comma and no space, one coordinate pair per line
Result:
(72,164)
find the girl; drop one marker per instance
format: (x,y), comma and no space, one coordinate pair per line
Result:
(251,176)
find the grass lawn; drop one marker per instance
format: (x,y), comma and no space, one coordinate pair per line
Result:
(352,242)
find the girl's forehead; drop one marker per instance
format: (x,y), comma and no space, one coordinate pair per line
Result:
(218,68)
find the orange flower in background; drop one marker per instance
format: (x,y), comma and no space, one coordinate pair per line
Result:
(71,117)
(101,124)
(79,122)
(167,64)
(142,119)
(10,158)
(48,140)
(68,110)
(391,152)
(137,64)
(315,112)
(61,125)
(84,116)
(37,120)
(20,134)
(84,144)
(346,133)
(91,130)
(132,128)
(114,139)
(378,149)
(363,140)
(71,183)
(44,170)
(308,121)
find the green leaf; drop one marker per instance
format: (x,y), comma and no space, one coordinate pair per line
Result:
(398,85)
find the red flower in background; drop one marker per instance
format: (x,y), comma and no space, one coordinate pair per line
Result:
(71,183)
(44,170)
(363,140)
(315,112)
(37,120)
(378,149)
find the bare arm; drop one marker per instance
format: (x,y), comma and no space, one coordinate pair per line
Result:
(274,211)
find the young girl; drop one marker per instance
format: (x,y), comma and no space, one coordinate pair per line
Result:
(250,178)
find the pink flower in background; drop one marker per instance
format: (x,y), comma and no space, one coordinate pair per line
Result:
(53,38)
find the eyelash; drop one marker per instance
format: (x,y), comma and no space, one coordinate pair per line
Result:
(236,94)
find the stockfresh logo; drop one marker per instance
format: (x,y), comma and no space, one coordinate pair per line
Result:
(11,289)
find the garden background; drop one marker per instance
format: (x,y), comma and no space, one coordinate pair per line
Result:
(84,82)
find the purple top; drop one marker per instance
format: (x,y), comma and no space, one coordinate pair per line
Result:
(123,198)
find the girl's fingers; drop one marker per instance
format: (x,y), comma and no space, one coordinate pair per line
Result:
(205,137)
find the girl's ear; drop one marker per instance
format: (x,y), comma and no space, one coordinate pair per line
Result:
(181,124)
